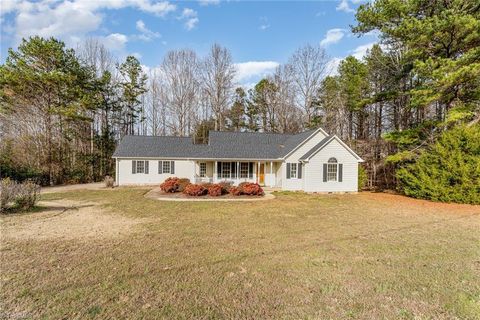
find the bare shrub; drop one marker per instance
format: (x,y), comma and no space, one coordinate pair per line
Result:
(18,196)
(109,182)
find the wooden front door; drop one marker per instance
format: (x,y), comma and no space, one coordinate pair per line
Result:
(261,175)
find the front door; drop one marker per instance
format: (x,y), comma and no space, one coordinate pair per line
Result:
(261,175)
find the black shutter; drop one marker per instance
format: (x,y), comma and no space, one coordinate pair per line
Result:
(299,170)
(219,167)
(160,167)
(250,170)
(146,166)
(134,166)
(172,167)
(340,172)
(324,172)
(288,170)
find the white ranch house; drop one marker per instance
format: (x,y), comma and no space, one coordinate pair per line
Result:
(312,161)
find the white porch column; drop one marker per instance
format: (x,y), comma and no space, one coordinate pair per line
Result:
(272,181)
(194,171)
(238,172)
(257,179)
(214,171)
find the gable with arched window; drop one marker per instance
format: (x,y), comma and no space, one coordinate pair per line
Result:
(332,171)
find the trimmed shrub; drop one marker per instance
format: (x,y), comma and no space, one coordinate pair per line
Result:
(109,182)
(252,189)
(182,184)
(226,186)
(449,171)
(195,190)
(242,185)
(215,190)
(235,191)
(170,185)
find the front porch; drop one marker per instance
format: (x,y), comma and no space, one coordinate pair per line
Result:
(265,173)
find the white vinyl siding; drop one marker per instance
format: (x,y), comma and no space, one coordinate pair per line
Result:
(313,170)
(297,184)
(183,169)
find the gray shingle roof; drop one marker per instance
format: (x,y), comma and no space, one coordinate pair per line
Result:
(222,145)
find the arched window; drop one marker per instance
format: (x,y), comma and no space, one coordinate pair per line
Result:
(332,169)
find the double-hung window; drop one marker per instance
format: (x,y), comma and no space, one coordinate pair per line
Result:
(139,166)
(203,169)
(244,170)
(332,169)
(226,170)
(166,167)
(293,170)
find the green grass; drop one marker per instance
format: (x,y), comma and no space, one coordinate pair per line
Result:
(297,256)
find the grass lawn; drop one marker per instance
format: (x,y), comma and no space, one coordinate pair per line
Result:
(116,254)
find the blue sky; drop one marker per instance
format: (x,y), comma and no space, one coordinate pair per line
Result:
(259,34)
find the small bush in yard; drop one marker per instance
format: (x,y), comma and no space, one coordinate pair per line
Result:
(252,189)
(109,182)
(170,185)
(242,185)
(195,190)
(15,195)
(215,190)
(182,184)
(235,191)
(225,186)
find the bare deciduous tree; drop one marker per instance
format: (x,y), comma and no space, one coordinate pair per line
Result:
(217,74)
(310,66)
(180,71)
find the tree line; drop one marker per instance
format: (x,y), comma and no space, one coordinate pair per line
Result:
(64,110)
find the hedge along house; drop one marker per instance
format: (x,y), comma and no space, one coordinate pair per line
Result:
(311,161)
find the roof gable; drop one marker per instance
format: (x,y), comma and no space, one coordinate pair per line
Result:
(322,144)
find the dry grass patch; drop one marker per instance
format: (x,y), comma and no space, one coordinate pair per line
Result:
(298,256)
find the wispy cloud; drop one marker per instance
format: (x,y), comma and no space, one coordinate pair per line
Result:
(191,18)
(360,51)
(146,34)
(250,69)
(344,6)
(264,25)
(332,36)
(208,2)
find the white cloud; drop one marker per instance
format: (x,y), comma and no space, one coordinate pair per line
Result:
(191,18)
(71,20)
(115,41)
(208,2)
(264,27)
(146,34)
(332,36)
(344,6)
(360,51)
(250,69)
(332,67)
(264,24)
